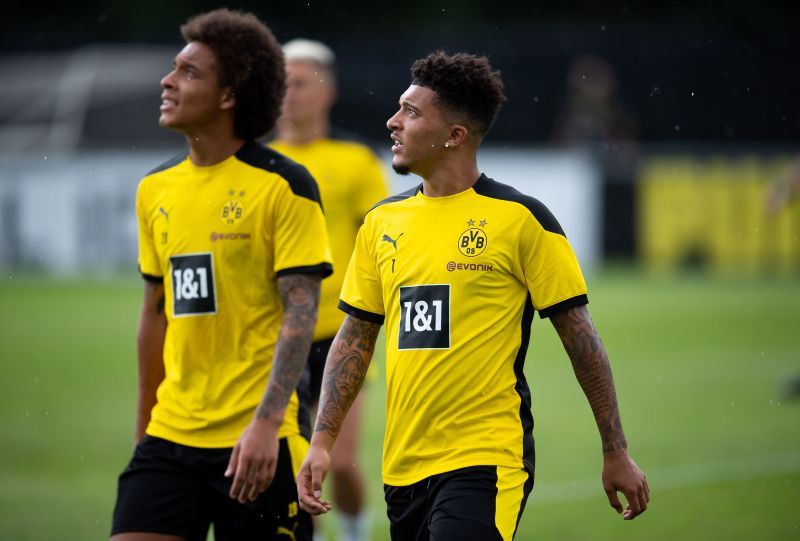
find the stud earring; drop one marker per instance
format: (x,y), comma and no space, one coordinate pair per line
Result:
(447,145)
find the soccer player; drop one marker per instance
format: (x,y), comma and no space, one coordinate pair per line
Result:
(232,247)
(351,180)
(456,267)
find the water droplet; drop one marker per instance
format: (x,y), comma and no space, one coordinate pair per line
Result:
(677,127)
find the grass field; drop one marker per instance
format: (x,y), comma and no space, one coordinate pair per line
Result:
(698,364)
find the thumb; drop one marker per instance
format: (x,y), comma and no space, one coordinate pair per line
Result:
(233,461)
(317,477)
(613,499)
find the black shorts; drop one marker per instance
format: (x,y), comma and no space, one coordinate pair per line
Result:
(311,381)
(480,503)
(173,489)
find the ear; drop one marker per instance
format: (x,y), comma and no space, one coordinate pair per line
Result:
(458,135)
(228,99)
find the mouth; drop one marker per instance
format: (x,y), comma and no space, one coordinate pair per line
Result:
(167,103)
(397,144)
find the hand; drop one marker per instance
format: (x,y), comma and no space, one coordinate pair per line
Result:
(620,473)
(253,460)
(309,481)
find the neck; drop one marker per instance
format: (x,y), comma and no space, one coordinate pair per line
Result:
(451,177)
(210,148)
(303,132)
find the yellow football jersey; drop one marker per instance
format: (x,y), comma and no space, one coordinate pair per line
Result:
(457,280)
(351,180)
(219,237)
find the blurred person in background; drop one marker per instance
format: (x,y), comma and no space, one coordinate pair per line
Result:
(351,180)
(784,191)
(456,267)
(232,247)
(594,117)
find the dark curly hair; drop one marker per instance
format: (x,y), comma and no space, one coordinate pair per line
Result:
(465,84)
(250,64)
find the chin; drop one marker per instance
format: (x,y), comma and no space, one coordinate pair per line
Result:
(401,169)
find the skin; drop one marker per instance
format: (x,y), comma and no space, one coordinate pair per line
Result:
(420,130)
(310,94)
(196,105)
(305,118)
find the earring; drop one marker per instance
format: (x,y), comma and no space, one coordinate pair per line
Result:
(447,145)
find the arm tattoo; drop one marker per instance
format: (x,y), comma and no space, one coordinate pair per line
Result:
(593,371)
(300,296)
(345,369)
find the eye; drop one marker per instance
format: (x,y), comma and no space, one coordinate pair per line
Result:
(412,113)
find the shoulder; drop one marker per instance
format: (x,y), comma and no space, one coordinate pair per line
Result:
(169,164)
(492,189)
(296,176)
(395,199)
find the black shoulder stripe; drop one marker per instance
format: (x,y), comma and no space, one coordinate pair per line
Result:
(497,190)
(300,180)
(169,163)
(398,197)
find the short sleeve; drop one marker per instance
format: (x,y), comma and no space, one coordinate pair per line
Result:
(148,260)
(373,185)
(362,293)
(301,242)
(552,273)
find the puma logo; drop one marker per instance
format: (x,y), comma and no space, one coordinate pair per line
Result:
(164,212)
(392,241)
(287,532)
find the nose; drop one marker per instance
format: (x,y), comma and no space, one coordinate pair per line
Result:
(167,82)
(393,123)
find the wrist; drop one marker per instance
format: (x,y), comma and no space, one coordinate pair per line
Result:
(272,419)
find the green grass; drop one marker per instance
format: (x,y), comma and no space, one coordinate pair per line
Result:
(698,366)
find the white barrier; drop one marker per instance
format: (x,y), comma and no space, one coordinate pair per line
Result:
(70,216)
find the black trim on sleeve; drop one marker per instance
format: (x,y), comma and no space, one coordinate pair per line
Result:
(300,180)
(152,279)
(580,300)
(491,188)
(361,314)
(172,162)
(323,269)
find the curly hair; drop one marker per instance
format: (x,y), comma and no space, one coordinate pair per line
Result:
(250,64)
(465,84)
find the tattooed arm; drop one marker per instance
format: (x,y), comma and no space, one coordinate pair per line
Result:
(255,455)
(593,371)
(150,352)
(345,368)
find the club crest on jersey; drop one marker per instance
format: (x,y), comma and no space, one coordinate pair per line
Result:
(232,212)
(473,241)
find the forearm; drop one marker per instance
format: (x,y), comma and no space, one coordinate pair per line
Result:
(300,296)
(150,354)
(345,369)
(593,372)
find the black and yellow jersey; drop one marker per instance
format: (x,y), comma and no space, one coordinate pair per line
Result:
(219,237)
(351,180)
(457,279)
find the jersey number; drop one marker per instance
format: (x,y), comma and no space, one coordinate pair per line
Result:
(424,317)
(193,284)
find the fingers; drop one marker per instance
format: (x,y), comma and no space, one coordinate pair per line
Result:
(637,500)
(250,477)
(309,494)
